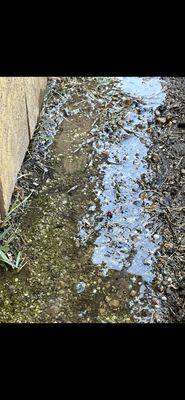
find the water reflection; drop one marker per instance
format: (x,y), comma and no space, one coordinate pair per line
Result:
(124,238)
(150,89)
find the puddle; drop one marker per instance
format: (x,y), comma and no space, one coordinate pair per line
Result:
(124,239)
(89,238)
(149,89)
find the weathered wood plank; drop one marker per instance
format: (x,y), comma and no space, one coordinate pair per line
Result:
(20,100)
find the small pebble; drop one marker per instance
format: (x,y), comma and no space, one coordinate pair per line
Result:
(53,311)
(102,310)
(156,237)
(133,293)
(114,303)
(156,302)
(80,287)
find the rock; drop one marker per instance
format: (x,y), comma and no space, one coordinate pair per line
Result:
(157,113)
(183,171)
(114,303)
(156,236)
(105,154)
(133,293)
(102,310)
(168,245)
(80,287)
(161,120)
(126,101)
(155,157)
(53,311)
(160,288)
(155,302)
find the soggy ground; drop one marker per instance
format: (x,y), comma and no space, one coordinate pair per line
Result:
(103,232)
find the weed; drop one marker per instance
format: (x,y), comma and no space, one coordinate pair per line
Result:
(4,244)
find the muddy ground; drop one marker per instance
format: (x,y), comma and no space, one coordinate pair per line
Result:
(102,234)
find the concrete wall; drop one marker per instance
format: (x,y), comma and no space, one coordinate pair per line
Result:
(20,102)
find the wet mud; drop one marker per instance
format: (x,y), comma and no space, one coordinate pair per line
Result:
(92,233)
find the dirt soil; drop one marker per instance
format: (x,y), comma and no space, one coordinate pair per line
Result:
(169,183)
(102,234)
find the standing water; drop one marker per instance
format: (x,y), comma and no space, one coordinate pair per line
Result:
(126,241)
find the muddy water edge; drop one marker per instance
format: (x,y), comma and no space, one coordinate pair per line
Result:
(97,233)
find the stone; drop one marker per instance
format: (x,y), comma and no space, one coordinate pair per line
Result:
(133,293)
(80,287)
(101,310)
(157,113)
(161,120)
(53,310)
(114,303)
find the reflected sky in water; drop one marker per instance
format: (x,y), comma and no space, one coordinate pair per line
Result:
(125,238)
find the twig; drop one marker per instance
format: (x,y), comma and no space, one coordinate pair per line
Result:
(72,189)
(115,163)
(79,148)
(180,162)
(21,176)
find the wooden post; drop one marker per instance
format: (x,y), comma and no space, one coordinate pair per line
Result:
(20,100)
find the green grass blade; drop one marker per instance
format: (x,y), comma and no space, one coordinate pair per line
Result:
(18,260)
(5,259)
